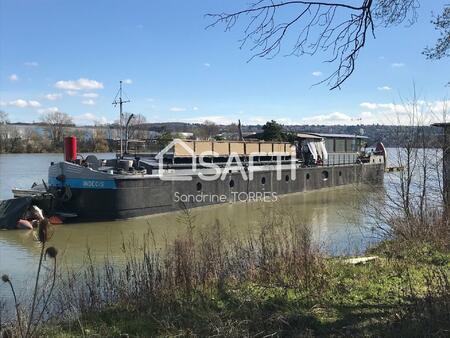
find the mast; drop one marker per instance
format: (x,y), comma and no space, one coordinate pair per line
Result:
(120,102)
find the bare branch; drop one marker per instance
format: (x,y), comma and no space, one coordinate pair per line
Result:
(337,29)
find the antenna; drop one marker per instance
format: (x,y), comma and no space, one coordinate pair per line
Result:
(120,102)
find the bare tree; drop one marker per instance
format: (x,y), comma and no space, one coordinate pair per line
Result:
(14,141)
(34,142)
(3,117)
(4,130)
(10,137)
(55,122)
(411,204)
(337,29)
(99,139)
(137,128)
(442,47)
(233,130)
(207,130)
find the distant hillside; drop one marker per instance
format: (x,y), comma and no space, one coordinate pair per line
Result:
(390,135)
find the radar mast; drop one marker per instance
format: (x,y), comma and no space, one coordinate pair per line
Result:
(119,101)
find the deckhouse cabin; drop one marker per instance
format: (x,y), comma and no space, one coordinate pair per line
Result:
(343,148)
(339,148)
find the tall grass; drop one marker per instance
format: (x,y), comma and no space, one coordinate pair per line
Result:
(273,281)
(29,320)
(196,264)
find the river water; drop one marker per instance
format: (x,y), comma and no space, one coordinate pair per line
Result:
(335,216)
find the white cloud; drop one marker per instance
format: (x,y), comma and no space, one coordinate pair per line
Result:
(18,103)
(195,108)
(397,64)
(368,105)
(80,84)
(71,93)
(287,121)
(177,109)
(425,112)
(13,77)
(31,64)
(34,103)
(206,64)
(89,102)
(48,110)
(384,88)
(366,114)
(90,95)
(395,108)
(21,103)
(316,73)
(89,118)
(127,81)
(53,96)
(218,119)
(256,120)
(332,118)
(383,113)
(440,106)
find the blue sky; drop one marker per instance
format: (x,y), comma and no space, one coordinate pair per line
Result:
(70,56)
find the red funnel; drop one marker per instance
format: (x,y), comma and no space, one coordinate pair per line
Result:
(70,148)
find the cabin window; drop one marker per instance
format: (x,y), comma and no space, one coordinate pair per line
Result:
(359,144)
(351,145)
(199,186)
(286,178)
(340,145)
(263,180)
(329,145)
(307,176)
(324,175)
(231,183)
(340,173)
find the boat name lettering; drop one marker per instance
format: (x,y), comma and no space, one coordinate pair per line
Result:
(93,184)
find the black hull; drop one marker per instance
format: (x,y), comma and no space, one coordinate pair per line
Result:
(145,196)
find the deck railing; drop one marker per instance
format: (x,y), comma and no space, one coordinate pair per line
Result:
(341,159)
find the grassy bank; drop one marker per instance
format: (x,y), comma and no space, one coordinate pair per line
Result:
(376,299)
(275,282)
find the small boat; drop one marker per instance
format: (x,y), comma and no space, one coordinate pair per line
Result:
(36,190)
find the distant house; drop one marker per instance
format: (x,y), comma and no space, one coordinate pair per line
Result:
(23,130)
(185,135)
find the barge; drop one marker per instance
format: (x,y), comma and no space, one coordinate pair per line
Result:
(193,173)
